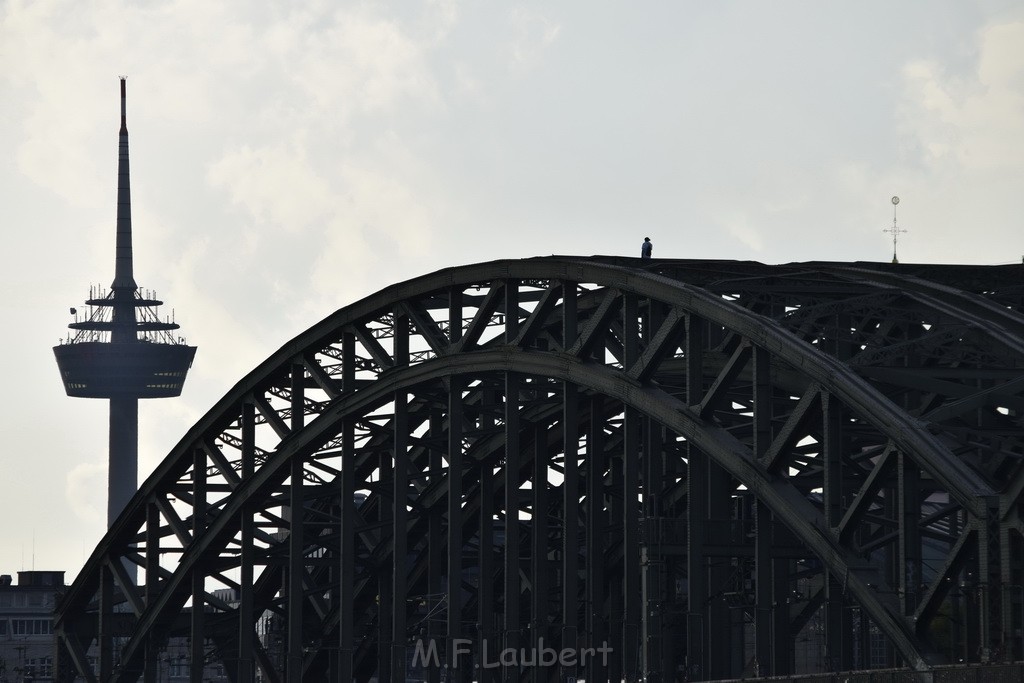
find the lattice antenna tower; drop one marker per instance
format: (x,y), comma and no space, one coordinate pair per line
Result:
(895,229)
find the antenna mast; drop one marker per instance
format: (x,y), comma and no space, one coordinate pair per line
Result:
(895,229)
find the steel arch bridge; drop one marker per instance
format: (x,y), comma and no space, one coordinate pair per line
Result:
(602,468)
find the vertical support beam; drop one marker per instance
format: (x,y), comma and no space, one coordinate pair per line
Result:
(631,458)
(832,454)
(865,639)
(838,627)
(399,531)
(891,558)
(346,528)
(694,353)
(511,310)
(762,400)
(653,468)
(105,627)
(570,524)
(597,616)
(737,632)
(487,618)
(969,628)
(910,581)
(1013,616)
(401,337)
(653,561)
(616,603)
(989,567)
(296,542)
(246,611)
(569,321)
(653,595)
(764,603)
(347,553)
(399,515)
(539,548)
(630,329)
(197,660)
(385,606)
(767,609)
(435,550)
(455,474)
(631,589)
(773,647)
(838,616)
(453,574)
(844,346)
(721,579)
(697,500)
(348,361)
(454,315)
(152,650)
(453,563)
(513,589)
(782,586)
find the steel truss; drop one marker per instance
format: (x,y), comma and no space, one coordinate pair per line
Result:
(649,468)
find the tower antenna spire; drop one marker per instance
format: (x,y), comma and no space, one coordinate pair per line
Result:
(895,229)
(124,277)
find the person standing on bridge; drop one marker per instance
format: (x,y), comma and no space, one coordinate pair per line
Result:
(646,248)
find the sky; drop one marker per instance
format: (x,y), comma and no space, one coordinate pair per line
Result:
(288,159)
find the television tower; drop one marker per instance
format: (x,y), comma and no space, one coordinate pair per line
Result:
(120,349)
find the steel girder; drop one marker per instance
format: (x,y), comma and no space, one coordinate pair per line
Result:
(647,467)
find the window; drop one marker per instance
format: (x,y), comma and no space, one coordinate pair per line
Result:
(31,627)
(179,667)
(41,667)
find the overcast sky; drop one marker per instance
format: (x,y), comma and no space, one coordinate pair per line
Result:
(290,158)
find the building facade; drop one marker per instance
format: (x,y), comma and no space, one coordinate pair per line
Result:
(26,625)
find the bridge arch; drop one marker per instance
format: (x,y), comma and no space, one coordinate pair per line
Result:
(698,471)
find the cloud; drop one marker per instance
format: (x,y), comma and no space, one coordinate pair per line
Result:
(962,145)
(354,62)
(532,34)
(86,490)
(738,225)
(275,184)
(974,121)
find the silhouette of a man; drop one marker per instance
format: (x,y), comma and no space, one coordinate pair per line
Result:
(646,248)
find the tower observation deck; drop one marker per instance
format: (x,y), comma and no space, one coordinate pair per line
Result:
(121,350)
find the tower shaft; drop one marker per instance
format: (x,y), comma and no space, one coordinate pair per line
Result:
(123,459)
